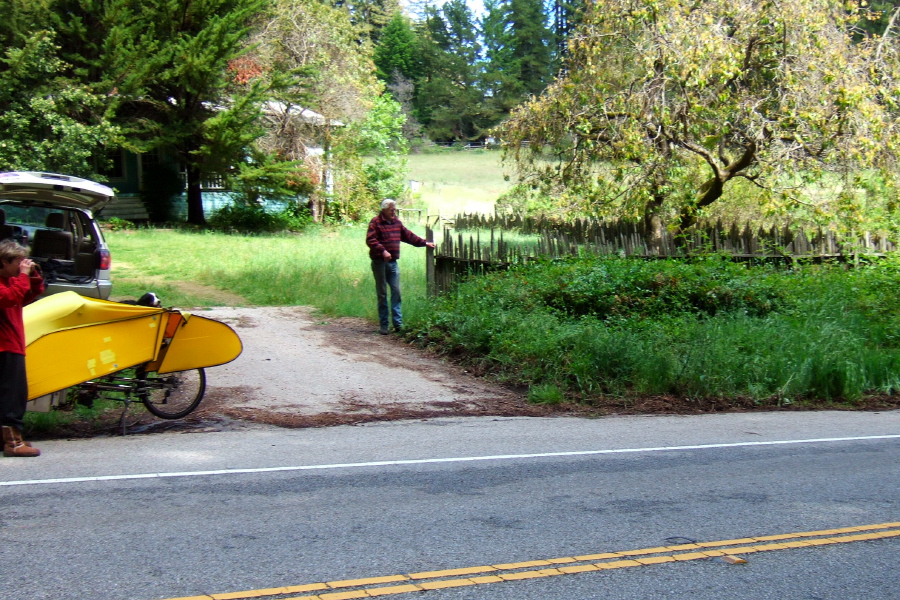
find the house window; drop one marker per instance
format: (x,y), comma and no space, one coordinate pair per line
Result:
(114,169)
(212,181)
(149,159)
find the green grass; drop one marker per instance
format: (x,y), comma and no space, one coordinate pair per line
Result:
(457,181)
(102,413)
(327,268)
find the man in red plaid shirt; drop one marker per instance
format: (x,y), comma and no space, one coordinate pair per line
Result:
(383,239)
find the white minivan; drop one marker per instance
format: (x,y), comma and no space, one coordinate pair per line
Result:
(53,215)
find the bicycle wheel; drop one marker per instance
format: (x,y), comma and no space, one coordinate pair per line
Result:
(172,395)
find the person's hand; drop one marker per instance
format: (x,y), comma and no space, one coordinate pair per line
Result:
(386,255)
(430,244)
(26,266)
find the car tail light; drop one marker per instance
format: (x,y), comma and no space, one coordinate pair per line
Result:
(105,259)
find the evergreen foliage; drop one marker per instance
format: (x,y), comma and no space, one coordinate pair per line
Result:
(49,121)
(191,103)
(875,17)
(396,52)
(531,45)
(369,16)
(475,69)
(499,75)
(448,98)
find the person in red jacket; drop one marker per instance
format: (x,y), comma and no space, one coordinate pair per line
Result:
(383,239)
(20,283)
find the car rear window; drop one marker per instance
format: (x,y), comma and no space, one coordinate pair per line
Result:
(27,215)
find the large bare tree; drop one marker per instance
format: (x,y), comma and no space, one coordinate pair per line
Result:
(314,37)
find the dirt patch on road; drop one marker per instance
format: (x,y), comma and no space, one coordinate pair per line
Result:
(299,370)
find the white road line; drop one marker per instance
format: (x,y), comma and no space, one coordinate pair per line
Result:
(424,461)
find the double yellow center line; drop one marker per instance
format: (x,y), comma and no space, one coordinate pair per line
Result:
(433,580)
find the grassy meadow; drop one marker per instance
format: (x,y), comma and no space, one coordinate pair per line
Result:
(461,181)
(326,268)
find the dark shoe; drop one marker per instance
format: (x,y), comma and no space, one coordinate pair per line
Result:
(384,331)
(14,445)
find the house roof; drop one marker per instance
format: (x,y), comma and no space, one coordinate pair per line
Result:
(306,115)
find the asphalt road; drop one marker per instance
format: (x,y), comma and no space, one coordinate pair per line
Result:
(471,503)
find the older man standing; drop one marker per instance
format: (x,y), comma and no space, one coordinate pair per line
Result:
(383,239)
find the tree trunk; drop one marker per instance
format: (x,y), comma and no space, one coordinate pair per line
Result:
(653,224)
(194,197)
(709,193)
(714,187)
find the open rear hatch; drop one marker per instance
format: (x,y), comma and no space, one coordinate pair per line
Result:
(55,189)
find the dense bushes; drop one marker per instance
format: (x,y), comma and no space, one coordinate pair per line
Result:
(616,289)
(708,328)
(254,218)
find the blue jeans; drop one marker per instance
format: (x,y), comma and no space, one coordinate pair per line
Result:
(387,274)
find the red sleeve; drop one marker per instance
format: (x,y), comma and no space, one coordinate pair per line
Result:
(17,291)
(372,237)
(410,238)
(37,288)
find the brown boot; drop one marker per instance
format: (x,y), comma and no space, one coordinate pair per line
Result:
(14,445)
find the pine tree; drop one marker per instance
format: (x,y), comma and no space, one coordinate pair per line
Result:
(517,52)
(372,15)
(530,41)
(395,53)
(449,98)
(499,79)
(565,15)
(169,62)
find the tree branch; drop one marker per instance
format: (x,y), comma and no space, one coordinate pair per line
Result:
(886,35)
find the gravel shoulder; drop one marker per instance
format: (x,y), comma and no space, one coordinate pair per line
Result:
(300,370)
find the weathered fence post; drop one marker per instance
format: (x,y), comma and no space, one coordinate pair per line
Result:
(429,262)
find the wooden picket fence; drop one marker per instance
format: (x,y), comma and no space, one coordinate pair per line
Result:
(475,244)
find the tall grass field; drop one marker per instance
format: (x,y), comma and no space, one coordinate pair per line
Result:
(461,181)
(594,327)
(328,269)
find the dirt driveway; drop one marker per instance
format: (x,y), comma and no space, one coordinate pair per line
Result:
(300,370)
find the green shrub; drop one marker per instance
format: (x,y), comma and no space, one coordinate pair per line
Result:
(706,328)
(117,224)
(546,393)
(254,218)
(612,288)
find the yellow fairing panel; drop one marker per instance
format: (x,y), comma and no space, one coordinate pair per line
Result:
(200,342)
(68,309)
(72,356)
(72,339)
